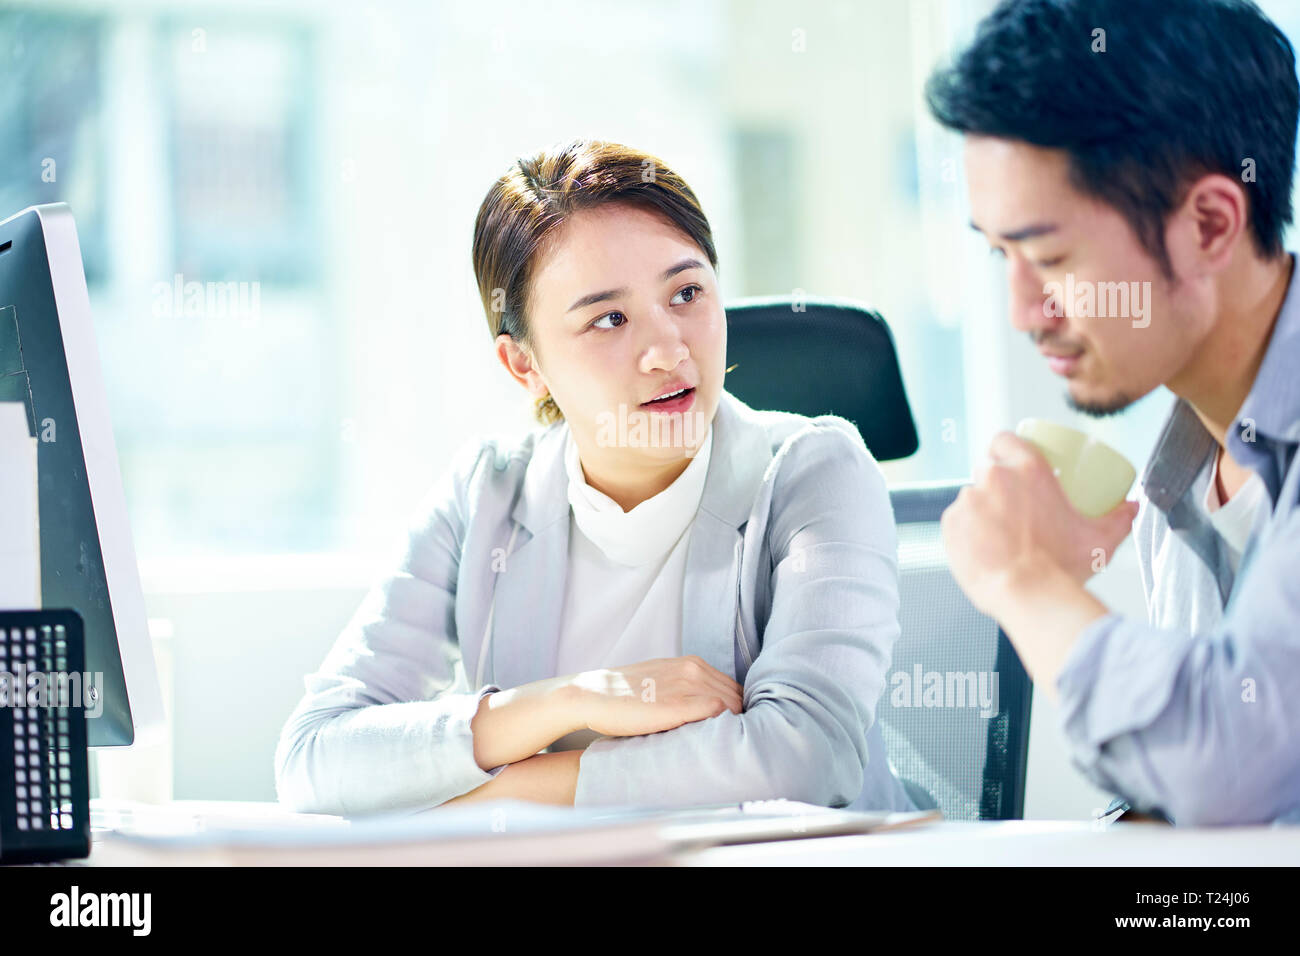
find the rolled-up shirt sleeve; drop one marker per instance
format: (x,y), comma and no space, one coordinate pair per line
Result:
(382,725)
(811,693)
(1200,726)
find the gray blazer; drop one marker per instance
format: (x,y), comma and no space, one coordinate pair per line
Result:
(791,588)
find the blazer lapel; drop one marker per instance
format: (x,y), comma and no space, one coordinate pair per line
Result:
(530,590)
(710,594)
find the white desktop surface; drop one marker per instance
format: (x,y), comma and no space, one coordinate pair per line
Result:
(950,843)
(1025,843)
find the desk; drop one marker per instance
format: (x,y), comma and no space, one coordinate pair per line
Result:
(1024,843)
(950,843)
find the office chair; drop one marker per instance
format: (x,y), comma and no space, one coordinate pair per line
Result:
(819,357)
(831,356)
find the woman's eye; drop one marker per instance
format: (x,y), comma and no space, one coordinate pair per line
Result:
(1048,263)
(691,292)
(608,315)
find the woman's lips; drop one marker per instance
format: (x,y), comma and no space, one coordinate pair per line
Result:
(679,404)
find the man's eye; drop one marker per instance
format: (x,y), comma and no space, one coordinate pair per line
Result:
(692,292)
(608,315)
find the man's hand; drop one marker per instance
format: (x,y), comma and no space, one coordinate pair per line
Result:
(1015,526)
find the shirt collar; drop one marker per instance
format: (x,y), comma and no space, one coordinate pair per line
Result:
(1180,454)
(647,532)
(1271,411)
(734,474)
(1273,406)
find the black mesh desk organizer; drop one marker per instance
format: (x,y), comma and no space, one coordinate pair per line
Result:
(44,778)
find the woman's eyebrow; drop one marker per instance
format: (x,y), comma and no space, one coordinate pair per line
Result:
(594,297)
(681,267)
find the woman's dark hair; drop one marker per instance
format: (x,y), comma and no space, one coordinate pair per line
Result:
(538,193)
(1144,96)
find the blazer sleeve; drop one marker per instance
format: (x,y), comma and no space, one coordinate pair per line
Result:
(383,724)
(810,696)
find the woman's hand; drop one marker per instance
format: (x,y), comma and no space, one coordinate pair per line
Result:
(541,778)
(653,695)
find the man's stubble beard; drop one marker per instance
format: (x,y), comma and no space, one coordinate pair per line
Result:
(1103,409)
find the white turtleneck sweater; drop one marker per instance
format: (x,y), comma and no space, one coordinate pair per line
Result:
(623,591)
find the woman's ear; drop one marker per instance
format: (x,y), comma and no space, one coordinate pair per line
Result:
(521,365)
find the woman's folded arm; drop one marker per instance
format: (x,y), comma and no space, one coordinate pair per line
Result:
(811,693)
(383,723)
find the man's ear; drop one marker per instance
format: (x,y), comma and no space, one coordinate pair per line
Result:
(521,365)
(1204,231)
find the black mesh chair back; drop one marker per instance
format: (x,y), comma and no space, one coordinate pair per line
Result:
(821,357)
(955,709)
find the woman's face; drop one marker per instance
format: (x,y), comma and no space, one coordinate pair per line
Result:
(624,308)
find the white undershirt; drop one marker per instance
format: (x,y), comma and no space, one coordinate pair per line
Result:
(1234,520)
(623,591)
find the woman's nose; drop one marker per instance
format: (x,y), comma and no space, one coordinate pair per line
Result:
(665,348)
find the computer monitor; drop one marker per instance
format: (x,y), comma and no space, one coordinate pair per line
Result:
(49,361)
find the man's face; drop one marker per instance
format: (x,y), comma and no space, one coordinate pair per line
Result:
(1095,303)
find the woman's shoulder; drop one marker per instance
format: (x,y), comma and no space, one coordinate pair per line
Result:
(501,451)
(500,459)
(813,464)
(489,465)
(815,439)
(825,453)
(821,476)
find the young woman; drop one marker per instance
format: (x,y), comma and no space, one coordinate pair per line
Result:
(666,598)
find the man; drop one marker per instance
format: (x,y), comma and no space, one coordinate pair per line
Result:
(1149,142)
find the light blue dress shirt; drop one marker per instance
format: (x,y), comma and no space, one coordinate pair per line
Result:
(1196,712)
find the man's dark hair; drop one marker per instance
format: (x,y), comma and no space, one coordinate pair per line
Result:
(1183,88)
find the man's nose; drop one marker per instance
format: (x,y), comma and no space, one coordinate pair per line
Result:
(1032,308)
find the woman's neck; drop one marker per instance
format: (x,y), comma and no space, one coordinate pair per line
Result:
(629,484)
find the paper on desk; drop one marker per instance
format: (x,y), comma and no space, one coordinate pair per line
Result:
(503,832)
(497,818)
(20,543)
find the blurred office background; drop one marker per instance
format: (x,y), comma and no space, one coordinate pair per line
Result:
(324,160)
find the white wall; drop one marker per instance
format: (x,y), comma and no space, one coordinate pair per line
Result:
(231,660)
